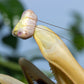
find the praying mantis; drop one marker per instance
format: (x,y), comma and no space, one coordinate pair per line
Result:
(63,65)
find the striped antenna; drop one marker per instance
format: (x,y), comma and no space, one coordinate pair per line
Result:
(57,26)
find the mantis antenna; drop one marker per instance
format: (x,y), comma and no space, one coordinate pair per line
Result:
(26,26)
(53,25)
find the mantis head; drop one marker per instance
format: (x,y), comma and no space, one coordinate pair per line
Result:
(26,26)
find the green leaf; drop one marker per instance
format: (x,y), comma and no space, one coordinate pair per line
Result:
(11,8)
(11,41)
(78,41)
(1,24)
(77,36)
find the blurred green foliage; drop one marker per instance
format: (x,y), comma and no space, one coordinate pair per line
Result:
(11,68)
(77,35)
(9,9)
(10,40)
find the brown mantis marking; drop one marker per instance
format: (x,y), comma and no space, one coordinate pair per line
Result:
(32,74)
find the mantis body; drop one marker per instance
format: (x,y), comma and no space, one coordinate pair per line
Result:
(63,65)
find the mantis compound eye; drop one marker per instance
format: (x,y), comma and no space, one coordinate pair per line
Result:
(26,26)
(19,33)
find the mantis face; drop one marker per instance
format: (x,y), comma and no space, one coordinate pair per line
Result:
(26,26)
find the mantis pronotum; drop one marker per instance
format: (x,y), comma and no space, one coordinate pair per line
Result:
(63,65)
